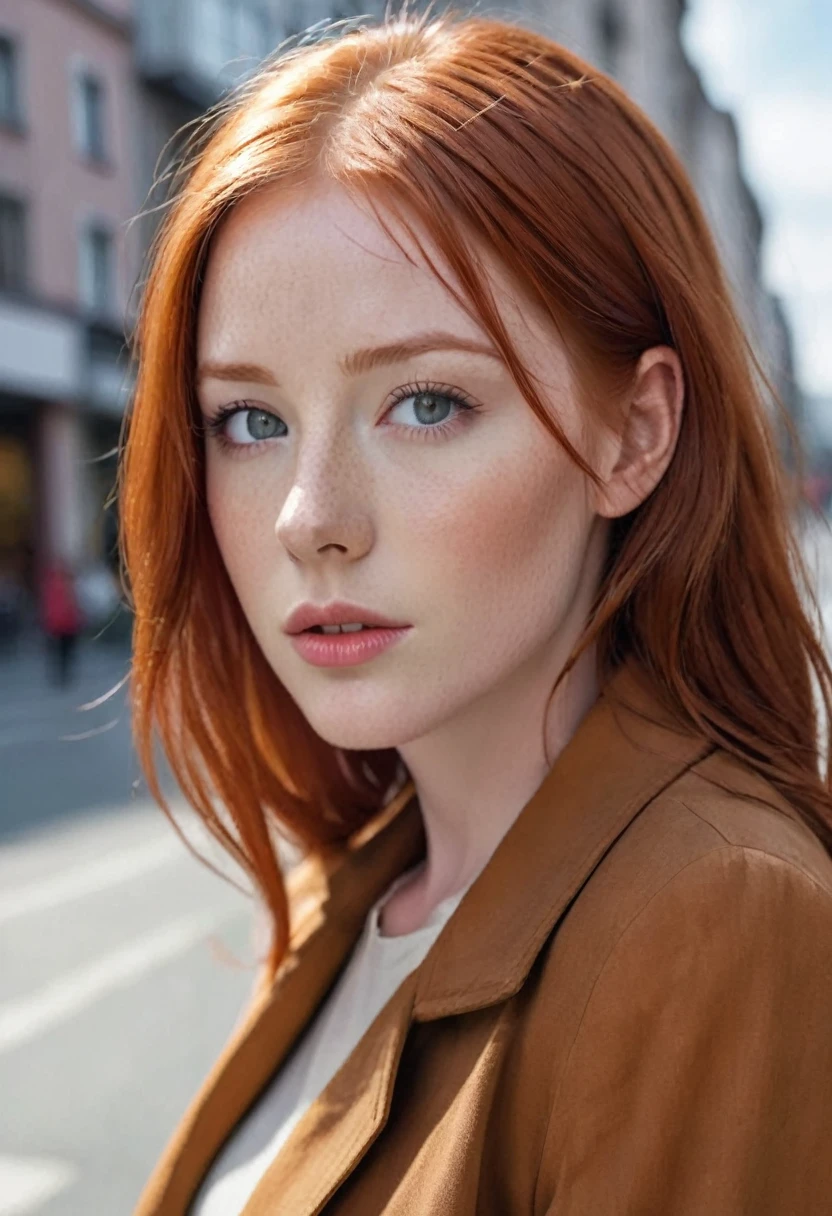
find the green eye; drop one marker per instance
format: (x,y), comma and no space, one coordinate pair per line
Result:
(260,425)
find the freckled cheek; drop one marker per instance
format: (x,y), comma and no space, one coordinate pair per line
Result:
(495,527)
(243,527)
(507,545)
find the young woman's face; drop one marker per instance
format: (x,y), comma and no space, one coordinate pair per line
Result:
(343,477)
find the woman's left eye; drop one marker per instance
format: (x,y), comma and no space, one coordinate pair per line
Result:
(430,405)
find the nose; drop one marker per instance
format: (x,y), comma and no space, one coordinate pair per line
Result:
(320,517)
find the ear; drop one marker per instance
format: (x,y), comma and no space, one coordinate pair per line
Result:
(645,438)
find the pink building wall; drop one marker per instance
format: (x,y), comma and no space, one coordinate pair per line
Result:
(64,191)
(56,37)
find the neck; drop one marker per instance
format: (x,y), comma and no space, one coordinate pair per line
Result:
(474,780)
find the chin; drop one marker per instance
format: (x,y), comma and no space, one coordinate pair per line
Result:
(366,735)
(362,730)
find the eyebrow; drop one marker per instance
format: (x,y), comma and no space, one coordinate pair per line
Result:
(359,361)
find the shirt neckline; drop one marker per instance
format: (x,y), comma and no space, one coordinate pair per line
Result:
(435,921)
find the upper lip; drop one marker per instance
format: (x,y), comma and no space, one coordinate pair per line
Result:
(339,612)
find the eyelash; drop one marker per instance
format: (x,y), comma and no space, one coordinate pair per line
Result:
(214,425)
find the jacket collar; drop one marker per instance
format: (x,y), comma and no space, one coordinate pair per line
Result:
(624,752)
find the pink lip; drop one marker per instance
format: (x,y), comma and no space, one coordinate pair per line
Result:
(345,649)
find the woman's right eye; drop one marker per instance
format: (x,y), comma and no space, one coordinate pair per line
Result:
(242,426)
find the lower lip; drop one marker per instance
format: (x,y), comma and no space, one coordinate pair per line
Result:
(345,649)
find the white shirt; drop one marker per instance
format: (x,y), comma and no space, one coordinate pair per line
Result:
(375,970)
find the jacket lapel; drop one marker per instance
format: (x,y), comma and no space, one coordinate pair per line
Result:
(339,1127)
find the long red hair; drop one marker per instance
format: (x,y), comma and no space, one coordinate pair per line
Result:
(473,127)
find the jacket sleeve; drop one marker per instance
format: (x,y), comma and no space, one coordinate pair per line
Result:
(700,1079)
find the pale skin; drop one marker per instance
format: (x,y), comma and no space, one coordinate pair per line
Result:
(486,538)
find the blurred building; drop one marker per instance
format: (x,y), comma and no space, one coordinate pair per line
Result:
(68,262)
(95,97)
(187,54)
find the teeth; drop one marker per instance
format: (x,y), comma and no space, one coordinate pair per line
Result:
(341,628)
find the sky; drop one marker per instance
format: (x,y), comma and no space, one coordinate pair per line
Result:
(770,63)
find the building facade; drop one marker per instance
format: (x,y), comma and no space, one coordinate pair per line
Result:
(68,264)
(95,99)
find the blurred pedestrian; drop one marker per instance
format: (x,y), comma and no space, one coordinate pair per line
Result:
(61,620)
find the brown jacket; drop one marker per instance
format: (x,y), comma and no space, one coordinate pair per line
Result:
(630,1011)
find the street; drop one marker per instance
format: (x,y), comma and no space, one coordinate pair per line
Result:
(118,980)
(124,963)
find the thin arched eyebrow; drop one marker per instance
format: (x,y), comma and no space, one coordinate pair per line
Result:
(358,362)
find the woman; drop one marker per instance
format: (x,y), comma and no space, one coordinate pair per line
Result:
(436,341)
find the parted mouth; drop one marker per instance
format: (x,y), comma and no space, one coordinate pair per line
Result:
(348,618)
(352,628)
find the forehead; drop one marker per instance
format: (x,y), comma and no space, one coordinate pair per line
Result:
(312,263)
(318,249)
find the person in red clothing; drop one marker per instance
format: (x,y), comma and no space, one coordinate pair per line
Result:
(61,619)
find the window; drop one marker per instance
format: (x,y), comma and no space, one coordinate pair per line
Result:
(90,116)
(10,107)
(12,244)
(97,270)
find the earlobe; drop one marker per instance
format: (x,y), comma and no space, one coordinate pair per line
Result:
(649,432)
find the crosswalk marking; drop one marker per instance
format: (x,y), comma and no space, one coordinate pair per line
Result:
(25,1019)
(97,876)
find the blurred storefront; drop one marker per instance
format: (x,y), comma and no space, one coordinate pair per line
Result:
(58,439)
(17,516)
